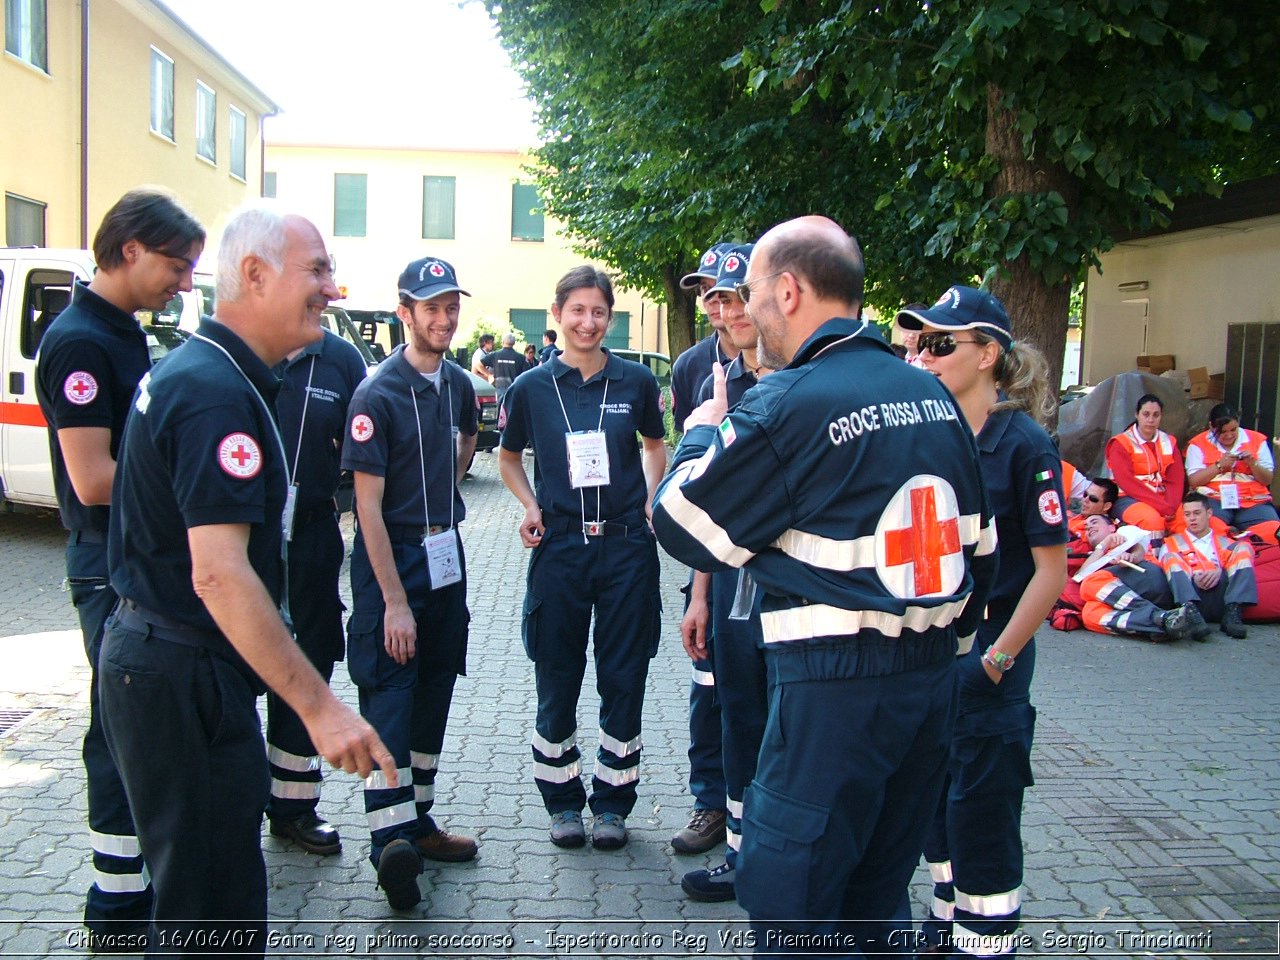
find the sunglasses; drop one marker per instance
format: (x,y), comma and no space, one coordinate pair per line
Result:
(1092,499)
(939,344)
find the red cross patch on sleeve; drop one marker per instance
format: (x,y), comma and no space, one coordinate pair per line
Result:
(80,388)
(361,428)
(239,455)
(1051,508)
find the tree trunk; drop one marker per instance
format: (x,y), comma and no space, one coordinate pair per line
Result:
(682,312)
(1039,309)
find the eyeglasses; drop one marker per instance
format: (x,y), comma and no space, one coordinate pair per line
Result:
(939,344)
(743,290)
(1092,499)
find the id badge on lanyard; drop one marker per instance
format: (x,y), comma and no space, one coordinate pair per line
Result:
(588,458)
(443,562)
(744,597)
(290,506)
(1230,496)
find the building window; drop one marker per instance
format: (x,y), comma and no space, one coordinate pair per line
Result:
(206,122)
(350,196)
(437,207)
(526,212)
(26,31)
(161,94)
(269,183)
(619,334)
(531,323)
(237,136)
(23,221)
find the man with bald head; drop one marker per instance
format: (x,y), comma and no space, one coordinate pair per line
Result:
(196,554)
(846,488)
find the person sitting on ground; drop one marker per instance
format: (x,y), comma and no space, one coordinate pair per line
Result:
(1098,500)
(1210,574)
(1146,465)
(1234,468)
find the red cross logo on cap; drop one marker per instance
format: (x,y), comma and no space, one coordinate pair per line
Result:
(239,455)
(918,552)
(710,259)
(731,265)
(80,388)
(361,428)
(436,270)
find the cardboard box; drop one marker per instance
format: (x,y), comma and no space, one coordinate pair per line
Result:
(1156,363)
(1199,377)
(1217,386)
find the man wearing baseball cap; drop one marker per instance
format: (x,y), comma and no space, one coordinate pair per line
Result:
(706,826)
(410,435)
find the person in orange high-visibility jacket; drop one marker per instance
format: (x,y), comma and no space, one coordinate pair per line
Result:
(1147,467)
(1208,571)
(1234,468)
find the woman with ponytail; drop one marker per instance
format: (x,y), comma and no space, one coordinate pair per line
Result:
(975,846)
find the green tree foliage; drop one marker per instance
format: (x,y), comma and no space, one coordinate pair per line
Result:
(652,151)
(1032,132)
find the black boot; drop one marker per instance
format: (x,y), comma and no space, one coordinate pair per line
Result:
(1232,624)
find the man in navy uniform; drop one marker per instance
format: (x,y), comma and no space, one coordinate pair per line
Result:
(847,487)
(548,346)
(505,365)
(197,557)
(706,826)
(411,433)
(317,383)
(90,362)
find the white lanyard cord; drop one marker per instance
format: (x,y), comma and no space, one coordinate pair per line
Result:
(582,499)
(302,424)
(447,396)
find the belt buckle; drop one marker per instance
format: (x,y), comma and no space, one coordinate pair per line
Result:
(593,528)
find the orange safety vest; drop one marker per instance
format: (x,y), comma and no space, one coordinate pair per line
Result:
(1230,556)
(1250,490)
(1151,459)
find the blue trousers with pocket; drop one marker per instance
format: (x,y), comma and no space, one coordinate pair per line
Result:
(616,578)
(121,892)
(408,704)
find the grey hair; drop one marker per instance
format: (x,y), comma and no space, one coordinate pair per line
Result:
(257,230)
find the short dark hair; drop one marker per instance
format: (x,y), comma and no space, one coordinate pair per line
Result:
(1148,398)
(834,271)
(486,338)
(584,276)
(550,335)
(1110,490)
(1221,415)
(151,216)
(1195,496)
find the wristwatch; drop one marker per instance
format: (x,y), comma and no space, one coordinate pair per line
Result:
(1001,661)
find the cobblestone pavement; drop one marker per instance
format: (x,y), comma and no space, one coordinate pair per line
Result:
(1155,807)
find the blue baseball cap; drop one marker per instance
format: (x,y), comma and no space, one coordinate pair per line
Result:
(962,308)
(733,268)
(707,266)
(429,277)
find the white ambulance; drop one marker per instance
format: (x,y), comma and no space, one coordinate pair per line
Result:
(35,286)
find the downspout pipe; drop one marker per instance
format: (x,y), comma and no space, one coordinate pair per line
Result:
(84,124)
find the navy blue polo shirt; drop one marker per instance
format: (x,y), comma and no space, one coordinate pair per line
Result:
(687,373)
(505,365)
(737,381)
(1022,471)
(322,378)
(90,362)
(382,439)
(200,448)
(626,392)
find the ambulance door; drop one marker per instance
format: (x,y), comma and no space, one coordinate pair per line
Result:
(36,292)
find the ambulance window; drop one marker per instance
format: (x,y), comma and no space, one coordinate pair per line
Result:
(48,293)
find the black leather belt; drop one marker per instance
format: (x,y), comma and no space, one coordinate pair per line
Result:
(413,533)
(132,616)
(592,528)
(316,511)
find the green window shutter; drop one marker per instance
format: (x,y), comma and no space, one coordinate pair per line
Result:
(350,195)
(619,334)
(526,212)
(437,207)
(531,323)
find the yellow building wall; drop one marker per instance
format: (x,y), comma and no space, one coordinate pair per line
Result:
(40,126)
(1197,282)
(500,273)
(40,120)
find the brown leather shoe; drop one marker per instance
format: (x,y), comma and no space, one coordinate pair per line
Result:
(446,847)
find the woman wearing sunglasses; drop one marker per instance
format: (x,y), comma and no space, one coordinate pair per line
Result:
(1001,388)
(1233,467)
(1147,467)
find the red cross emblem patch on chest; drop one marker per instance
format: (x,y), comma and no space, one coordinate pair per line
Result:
(918,544)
